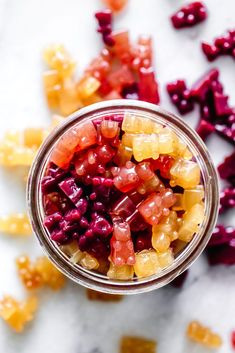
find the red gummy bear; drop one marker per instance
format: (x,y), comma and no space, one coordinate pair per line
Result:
(156,206)
(163,164)
(125,178)
(94,160)
(122,248)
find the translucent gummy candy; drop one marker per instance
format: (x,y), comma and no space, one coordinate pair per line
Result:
(15,224)
(131,344)
(80,137)
(145,146)
(17,314)
(126,177)
(59,59)
(122,249)
(139,125)
(192,219)
(185,174)
(147,263)
(203,335)
(123,272)
(156,205)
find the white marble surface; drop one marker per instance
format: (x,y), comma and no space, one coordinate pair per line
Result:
(66,321)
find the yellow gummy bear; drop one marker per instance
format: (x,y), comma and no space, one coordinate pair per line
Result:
(191,222)
(137,124)
(17,314)
(15,224)
(123,272)
(166,141)
(145,146)
(147,263)
(69,100)
(185,173)
(57,58)
(87,86)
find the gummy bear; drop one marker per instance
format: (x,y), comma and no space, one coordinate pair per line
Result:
(122,47)
(15,224)
(165,258)
(52,86)
(123,272)
(192,219)
(131,344)
(94,160)
(166,141)
(120,78)
(165,232)
(89,262)
(33,137)
(163,164)
(122,249)
(146,264)
(69,100)
(17,314)
(185,173)
(109,128)
(41,272)
(100,66)
(156,205)
(80,137)
(135,124)
(143,53)
(203,335)
(59,59)
(148,87)
(125,178)
(145,146)
(87,86)
(115,5)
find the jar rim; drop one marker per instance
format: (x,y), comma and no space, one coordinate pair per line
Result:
(193,249)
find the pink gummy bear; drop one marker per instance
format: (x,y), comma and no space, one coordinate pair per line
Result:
(125,178)
(156,206)
(122,249)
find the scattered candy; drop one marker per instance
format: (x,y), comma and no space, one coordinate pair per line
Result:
(223,45)
(116,5)
(216,113)
(15,224)
(41,272)
(227,199)
(221,247)
(203,335)
(180,96)
(104,19)
(131,344)
(18,314)
(189,15)
(227,169)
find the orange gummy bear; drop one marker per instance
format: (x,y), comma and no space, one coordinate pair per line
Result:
(17,314)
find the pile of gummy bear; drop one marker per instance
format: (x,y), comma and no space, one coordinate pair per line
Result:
(105,202)
(122,70)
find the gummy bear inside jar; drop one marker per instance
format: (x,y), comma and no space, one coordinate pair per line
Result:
(122,194)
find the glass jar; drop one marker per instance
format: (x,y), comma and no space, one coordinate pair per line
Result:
(184,258)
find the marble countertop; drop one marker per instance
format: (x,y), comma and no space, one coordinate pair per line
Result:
(66,321)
